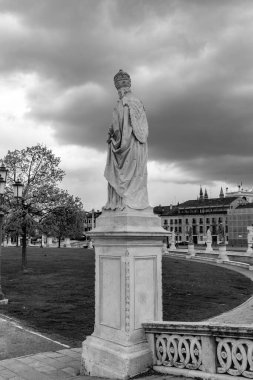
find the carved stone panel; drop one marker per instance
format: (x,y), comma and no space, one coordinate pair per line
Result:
(145,293)
(110,291)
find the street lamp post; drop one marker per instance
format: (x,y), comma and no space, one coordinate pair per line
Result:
(18,192)
(3,176)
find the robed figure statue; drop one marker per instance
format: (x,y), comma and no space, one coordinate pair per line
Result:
(126,166)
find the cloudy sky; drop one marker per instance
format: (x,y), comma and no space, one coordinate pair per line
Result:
(191,63)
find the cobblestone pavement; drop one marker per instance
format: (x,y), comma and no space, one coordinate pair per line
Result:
(60,365)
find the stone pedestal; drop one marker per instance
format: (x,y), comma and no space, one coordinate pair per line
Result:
(209,248)
(9,243)
(90,244)
(250,239)
(49,241)
(172,242)
(164,249)
(43,241)
(5,244)
(128,292)
(250,249)
(222,253)
(66,243)
(172,246)
(191,250)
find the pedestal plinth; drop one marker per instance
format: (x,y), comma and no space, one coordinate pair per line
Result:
(222,253)
(191,250)
(209,248)
(128,292)
(250,250)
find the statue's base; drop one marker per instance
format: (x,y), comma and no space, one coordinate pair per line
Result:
(103,358)
(191,250)
(222,254)
(209,248)
(128,249)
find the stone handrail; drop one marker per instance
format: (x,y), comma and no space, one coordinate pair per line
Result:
(203,350)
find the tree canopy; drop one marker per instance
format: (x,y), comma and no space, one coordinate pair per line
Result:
(65,219)
(42,201)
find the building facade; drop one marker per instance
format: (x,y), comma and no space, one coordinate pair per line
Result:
(241,192)
(201,214)
(238,220)
(90,220)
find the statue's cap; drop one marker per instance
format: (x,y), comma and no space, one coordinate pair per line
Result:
(122,79)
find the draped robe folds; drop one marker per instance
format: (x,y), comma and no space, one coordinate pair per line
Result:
(126,167)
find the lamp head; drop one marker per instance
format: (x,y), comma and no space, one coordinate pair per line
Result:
(18,189)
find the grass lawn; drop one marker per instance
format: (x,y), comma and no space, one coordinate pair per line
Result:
(57,298)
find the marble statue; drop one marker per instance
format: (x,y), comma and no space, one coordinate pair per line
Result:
(209,235)
(221,234)
(190,232)
(126,166)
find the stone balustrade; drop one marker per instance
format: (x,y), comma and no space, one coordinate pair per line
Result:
(203,350)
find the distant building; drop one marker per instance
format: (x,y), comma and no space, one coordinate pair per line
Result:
(238,220)
(90,219)
(243,193)
(200,214)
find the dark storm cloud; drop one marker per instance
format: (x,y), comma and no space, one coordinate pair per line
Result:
(191,63)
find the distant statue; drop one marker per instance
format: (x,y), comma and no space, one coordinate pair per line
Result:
(209,235)
(190,235)
(221,234)
(126,166)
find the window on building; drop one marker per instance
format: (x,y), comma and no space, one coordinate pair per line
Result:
(171,229)
(171,221)
(175,221)
(187,237)
(213,220)
(186,221)
(201,229)
(193,221)
(180,229)
(200,220)
(180,238)
(175,229)
(179,221)
(207,220)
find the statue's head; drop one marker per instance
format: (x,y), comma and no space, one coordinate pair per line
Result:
(122,82)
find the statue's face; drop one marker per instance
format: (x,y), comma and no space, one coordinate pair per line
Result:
(122,91)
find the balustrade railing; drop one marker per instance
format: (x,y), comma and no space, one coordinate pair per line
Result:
(201,348)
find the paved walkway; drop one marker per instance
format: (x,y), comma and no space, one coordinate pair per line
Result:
(242,314)
(60,365)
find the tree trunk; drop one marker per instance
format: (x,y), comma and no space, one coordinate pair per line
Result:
(59,242)
(24,258)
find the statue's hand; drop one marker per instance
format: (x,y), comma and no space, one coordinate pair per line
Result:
(111,131)
(110,134)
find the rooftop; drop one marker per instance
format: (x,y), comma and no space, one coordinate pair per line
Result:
(200,203)
(194,204)
(248,205)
